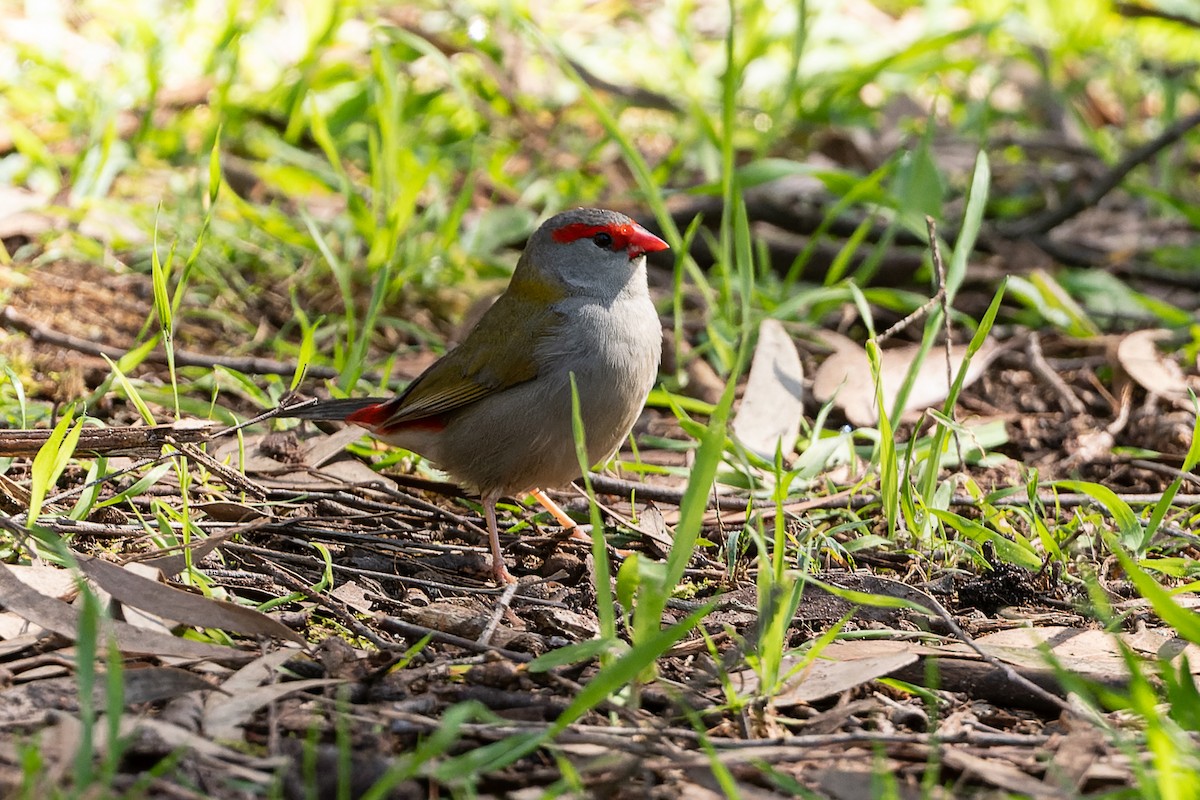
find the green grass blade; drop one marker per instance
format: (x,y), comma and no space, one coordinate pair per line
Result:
(604,600)
(51,459)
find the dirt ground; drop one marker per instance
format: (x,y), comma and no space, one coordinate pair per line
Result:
(330,685)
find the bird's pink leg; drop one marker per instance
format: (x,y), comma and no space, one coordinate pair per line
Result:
(499,571)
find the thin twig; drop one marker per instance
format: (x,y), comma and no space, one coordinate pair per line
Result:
(1046,222)
(1011,674)
(1124,407)
(415,632)
(605,484)
(249,365)
(900,326)
(620,737)
(281,410)
(235,480)
(502,605)
(339,609)
(939,269)
(1037,362)
(1135,11)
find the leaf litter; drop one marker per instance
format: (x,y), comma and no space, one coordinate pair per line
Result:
(408,567)
(383,577)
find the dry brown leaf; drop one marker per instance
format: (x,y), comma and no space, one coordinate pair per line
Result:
(1152,369)
(57,746)
(182,606)
(457,621)
(1085,650)
(252,458)
(177,562)
(1079,752)
(233,765)
(840,666)
(140,685)
(652,525)
(773,403)
(151,684)
(330,477)
(14,625)
(223,721)
(243,693)
(353,596)
(1000,774)
(1163,643)
(256,673)
(320,449)
(1092,447)
(63,619)
(47,580)
(1088,652)
(22,213)
(829,379)
(112,226)
(845,377)
(19,644)
(565,622)
(226,511)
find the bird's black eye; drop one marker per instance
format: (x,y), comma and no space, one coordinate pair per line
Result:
(603,240)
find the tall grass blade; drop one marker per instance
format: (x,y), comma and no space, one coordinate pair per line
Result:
(51,459)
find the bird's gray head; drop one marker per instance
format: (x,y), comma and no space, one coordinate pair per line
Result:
(590,250)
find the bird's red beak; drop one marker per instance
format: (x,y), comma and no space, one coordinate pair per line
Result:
(642,241)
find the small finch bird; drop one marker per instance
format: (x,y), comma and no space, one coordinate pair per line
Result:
(495,412)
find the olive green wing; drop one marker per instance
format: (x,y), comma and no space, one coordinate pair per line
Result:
(497,355)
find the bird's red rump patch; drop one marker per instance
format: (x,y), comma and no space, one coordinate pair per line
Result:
(375,418)
(631,237)
(371,416)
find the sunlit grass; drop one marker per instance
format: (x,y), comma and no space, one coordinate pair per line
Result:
(359,162)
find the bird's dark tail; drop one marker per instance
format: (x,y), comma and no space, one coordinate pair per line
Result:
(332,410)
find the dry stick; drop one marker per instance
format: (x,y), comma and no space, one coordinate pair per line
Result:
(502,605)
(846,499)
(1123,410)
(435,509)
(145,462)
(605,484)
(1166,469)
(1037,360)
(184,358)
(911,318)
(939,270)
(415,632)
(339,609)
(1134,11)
(125,441)
(622,738)
(403,579)
(130,440)
(284,406)
(232,477)
(1011,674)
(1046,222)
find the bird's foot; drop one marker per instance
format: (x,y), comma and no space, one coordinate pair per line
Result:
(580,533)
(501,574)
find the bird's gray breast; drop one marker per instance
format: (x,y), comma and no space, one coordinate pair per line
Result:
(613,350)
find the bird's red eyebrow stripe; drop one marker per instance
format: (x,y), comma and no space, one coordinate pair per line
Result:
(630,236)
(581,230)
